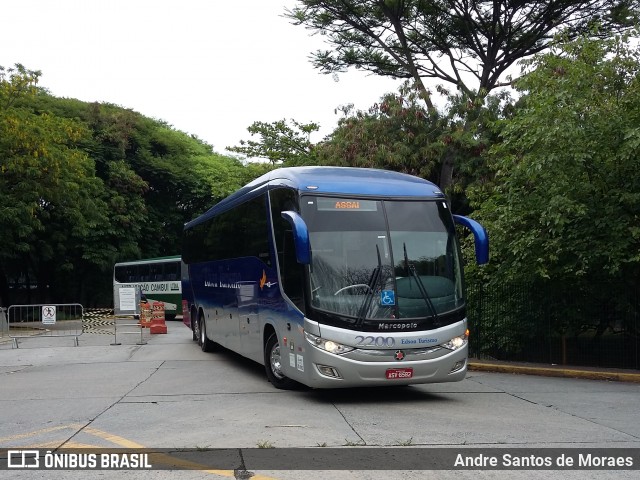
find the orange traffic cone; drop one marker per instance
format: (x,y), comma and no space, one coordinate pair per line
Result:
(158,324)
(145,315)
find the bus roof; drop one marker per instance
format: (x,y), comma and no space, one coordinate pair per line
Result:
(332,181)
(151,260)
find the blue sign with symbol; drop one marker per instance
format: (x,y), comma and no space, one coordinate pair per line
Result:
(387,298)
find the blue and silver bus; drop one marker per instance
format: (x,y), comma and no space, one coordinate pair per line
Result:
(332,277)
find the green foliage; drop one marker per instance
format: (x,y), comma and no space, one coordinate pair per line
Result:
(399,133)
(280,143)
(565,203)
(396,133)
(15,83)
(85,185)
(466,44)
(50,199)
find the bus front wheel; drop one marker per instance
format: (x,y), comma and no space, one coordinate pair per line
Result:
(273,364)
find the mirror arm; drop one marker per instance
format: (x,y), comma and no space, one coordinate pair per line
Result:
(480,237)
(300,236)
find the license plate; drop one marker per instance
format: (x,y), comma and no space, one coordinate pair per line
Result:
(397,373)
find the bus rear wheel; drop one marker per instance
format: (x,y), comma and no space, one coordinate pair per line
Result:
(195,327)
(205,344)
(273,364)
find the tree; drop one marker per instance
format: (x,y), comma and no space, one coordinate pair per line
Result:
(396,133)
(15,83)
(85,185)
(562,211)
(49,196)
(466,44)
(565,202)
(399,133)
(280,143)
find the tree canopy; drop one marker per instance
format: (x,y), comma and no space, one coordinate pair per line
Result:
(83,185)
(469,45)
(399,133)
(279,142)
(565,201)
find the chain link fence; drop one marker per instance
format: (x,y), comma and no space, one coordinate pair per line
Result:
(587,324)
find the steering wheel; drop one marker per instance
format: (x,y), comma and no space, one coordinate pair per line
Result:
(356,285)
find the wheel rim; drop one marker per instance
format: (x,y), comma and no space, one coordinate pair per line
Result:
(196,328)
(276,362)
(203,336)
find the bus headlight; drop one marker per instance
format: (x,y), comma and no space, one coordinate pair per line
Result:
(327,345)
(457,342)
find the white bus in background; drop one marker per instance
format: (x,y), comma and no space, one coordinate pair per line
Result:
(157,279)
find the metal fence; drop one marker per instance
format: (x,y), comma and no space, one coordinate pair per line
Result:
(51,320)
(71,320)
(4,326)
(584,324)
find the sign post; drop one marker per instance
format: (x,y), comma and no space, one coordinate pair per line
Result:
(126,300)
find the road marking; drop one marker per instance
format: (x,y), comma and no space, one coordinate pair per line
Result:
(165,459)
(38,432)
(56,445)
(109,437)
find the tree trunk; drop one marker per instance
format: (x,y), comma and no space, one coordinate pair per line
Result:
(446,171)
(5,300)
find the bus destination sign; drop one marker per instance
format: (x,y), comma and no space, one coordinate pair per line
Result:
(342,204)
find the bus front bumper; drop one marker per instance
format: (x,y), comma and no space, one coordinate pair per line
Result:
(327,370)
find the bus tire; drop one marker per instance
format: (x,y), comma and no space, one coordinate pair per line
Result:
(195,327)
(273,364)
(205,344)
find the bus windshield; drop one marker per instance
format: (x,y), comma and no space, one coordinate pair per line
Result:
(382,259)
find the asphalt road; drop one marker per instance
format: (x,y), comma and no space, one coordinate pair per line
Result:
(167,394)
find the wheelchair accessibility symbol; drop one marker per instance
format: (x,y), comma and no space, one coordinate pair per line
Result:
(387,297)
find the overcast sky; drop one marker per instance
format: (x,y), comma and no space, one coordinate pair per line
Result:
(206,67)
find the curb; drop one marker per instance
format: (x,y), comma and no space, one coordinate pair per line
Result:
(555,372)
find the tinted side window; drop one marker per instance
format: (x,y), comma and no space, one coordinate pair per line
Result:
(172,271)
(126,273)
(239,232)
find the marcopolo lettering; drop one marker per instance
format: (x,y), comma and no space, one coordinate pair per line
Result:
(396,326)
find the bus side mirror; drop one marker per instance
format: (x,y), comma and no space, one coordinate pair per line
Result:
(480,237)
(300,236)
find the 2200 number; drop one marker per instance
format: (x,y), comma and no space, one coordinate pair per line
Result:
(374,341)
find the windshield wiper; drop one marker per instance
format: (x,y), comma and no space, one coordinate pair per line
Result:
(373,281)
(423,291)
